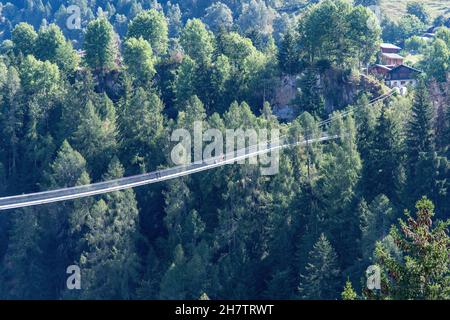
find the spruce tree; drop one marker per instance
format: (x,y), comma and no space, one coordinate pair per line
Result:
(197,42)
(77,97)
(96,137)
(67,168)
(52,45)
(11,118)
(151,25)
(420,146)
(366,121)
(310,98)
(138,57)
(288,57)
(348,293)
(420,129)
(339,172)
(386,154)
(141,124)
(57,244)
(375,220)
(24,38)
(173,281)
(100,45)
(110,260)
(23,272)
(421,272)
(186,82)
(321,277)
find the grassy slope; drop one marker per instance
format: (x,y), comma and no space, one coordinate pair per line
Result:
(396,8)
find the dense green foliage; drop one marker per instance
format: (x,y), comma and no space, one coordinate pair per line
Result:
(90,105)
(423,250)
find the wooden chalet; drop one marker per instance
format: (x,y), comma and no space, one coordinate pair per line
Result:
(401,76)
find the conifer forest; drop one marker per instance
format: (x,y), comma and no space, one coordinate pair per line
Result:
(352,183)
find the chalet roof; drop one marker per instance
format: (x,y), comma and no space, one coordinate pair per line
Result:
(382,66)
(392,56)
(399,73)
(405,66)
(389,46)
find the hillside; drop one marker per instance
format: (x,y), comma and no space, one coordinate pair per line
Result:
(393,8)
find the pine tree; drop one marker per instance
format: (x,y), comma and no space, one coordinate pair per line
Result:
(281,233)
(220,77)
(288,57)
(348,293)
(138,57)
(420,128)
(420,146)
(204,296)
(23,272)
(74,105)
(149,286)
(77,220)
(141,128)
(173,281)
(339,172)
(197,42)
(174,19)
(186,82)
(242,232)
(52,45)
(178,205)
(310,98)
(57,244)
(366,114)
(375,220)
(188,274)
(366,121)
(151,25)
(193,110)
(11,117)
(197,271)
(100,45)
(67,167)
(110,260)
(385,159)
(96,137)
(421,272)
(24,38)
(38,149)
(321,278)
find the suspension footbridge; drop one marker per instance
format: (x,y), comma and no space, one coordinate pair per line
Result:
(33,199)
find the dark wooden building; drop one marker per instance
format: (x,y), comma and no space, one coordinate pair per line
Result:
(402,76)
